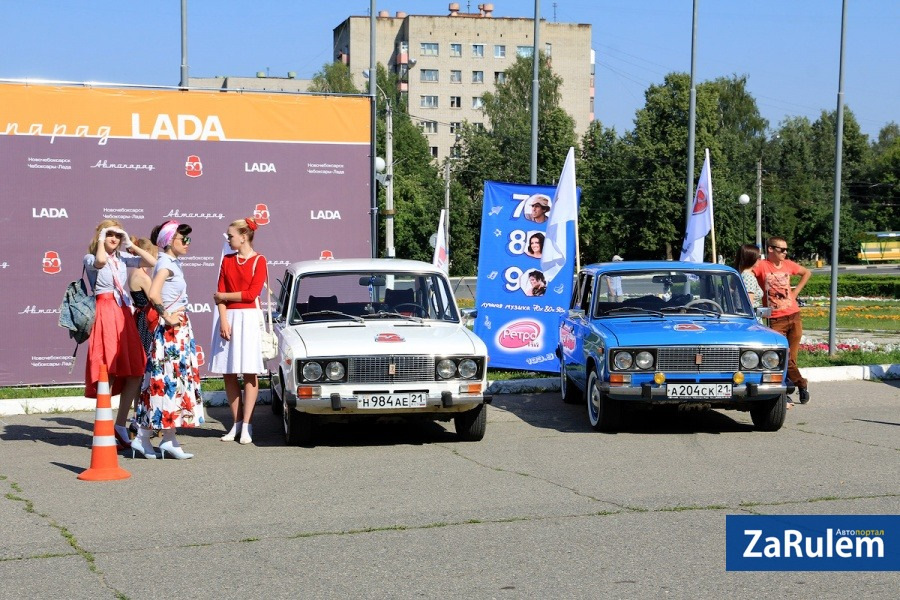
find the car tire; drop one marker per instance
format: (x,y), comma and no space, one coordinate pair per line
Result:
(277,398)
(769,415)
(604,413)
(569,392)
(471,425)
(298,426)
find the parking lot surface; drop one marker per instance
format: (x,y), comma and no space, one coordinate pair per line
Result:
(543,507)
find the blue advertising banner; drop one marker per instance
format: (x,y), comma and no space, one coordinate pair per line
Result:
(518,305)
(812,542)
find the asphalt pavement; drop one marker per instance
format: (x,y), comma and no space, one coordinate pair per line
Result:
(543,507)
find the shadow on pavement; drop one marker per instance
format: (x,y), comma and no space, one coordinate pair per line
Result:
(59,431)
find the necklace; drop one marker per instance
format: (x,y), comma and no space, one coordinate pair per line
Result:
(237,259)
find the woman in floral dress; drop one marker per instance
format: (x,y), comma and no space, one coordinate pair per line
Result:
(172,398)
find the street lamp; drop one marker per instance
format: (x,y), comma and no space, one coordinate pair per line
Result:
(744,199)
(387,179)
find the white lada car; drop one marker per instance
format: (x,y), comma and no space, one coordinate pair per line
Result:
(369,338)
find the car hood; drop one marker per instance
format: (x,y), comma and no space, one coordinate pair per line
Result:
(685,331)
(382,337)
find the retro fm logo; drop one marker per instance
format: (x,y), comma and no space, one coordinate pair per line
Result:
(521,334)
(51,263)
(193,167)
(261,214)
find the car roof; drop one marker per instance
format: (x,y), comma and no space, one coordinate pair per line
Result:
(654,265)
(350,265)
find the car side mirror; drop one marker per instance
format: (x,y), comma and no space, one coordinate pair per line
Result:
(576,313)
(763,312)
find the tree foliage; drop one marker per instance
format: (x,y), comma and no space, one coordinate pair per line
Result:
(334,78)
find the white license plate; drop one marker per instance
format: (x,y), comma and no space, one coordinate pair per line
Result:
(381,401)
(698,390)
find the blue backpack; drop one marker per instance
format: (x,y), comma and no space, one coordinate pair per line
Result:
(77,311)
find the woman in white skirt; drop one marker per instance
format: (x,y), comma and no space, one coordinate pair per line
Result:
(236,333)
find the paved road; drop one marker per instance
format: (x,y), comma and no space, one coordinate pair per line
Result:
(542,508)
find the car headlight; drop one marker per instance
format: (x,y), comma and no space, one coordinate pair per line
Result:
(623,360)
(312,371)
(334,371)
(749,360)
(467,368)
(446,368)
(770,359)
(644,360)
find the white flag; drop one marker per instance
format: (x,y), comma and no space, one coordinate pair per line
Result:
(701,218)
(441,257)
(564,209)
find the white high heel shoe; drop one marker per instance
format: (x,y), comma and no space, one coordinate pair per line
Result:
(174,451)
(138,448)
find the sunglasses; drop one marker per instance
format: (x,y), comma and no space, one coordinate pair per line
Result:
(779,249)
(185,239)
(115,235)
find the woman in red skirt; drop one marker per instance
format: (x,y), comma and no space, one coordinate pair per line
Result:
(114,337)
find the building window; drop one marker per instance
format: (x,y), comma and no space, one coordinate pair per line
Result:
(434,152)
(525,51)
(455,127)
(455,49)
(429,75)
(499,77)
(428,102)
(455,101)
(429,49)
(477,50)
(454,152)
(477,102)
(478,126)
(499,51)
(429,126)
(455,76)
(477,76)
(548,49)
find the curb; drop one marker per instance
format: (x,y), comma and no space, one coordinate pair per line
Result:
(24,406)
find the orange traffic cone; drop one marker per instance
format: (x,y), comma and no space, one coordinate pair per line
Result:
(104,460)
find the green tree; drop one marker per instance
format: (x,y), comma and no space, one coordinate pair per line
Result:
(334,78)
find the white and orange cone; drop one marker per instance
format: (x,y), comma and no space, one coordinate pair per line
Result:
(104,459)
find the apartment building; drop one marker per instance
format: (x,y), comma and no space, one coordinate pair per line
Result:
(446,63)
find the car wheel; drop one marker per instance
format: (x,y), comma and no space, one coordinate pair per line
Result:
(471,425)
(604,413)
(769,415)
(298,426)
(277,398)
(570,393)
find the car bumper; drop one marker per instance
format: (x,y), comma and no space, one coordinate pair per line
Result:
(657,394)
(335,402)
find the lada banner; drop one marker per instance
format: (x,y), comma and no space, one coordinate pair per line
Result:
(71,156)
(518,307)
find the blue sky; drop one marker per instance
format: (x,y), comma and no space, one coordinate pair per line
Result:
(789,49)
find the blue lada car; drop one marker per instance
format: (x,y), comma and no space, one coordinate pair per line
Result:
(669,333)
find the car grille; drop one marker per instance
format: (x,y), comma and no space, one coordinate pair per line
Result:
(684,359)
(375,369)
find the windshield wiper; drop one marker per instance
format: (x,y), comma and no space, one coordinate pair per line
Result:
(334,313)
(685,309)
(627,309)
(382,314)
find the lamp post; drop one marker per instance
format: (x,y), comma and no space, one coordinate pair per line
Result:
(387,179)
(744,200)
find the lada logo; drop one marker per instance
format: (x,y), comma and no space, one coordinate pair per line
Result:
(261,214)
(520,334)
(326,255)
(201,356)
(389,338)
(688,327)
(193,167)
(51,262)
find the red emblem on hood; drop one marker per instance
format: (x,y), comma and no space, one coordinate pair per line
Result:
(388,337)
(688,327)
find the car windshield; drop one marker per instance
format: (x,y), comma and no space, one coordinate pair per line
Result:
(659,292)
(372,295)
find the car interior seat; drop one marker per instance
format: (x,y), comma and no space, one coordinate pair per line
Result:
(317,303)
(394,298)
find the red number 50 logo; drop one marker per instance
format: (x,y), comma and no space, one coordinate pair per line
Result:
(51,263)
